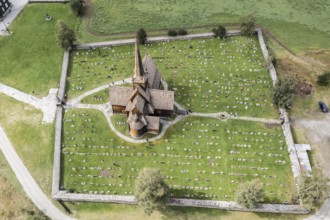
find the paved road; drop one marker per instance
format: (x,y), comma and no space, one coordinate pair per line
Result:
(17,6)
(323,213)
(318,135)
(29,184)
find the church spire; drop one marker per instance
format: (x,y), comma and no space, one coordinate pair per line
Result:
(138,69)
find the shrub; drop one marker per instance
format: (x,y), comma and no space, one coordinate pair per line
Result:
(250,193)
(247,25)
(172,33)
(182,32)
(219,32)
(64,35)
(142,36)
(313,189)
(151,190)
(77,7)
(284,91)
(324,79)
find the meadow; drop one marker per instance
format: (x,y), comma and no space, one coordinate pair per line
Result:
(200,157)
(123,16)
(297,23)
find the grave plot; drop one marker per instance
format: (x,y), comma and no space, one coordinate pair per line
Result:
(100,97)
(208,75)
(89,69)
(213,75)
(201,158)
(119,122)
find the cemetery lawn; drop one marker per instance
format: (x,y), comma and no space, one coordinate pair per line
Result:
(31,61)
(119,122)
(201,158)
(207,76)
(100,97)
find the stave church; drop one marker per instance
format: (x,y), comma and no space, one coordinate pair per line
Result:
(144,102)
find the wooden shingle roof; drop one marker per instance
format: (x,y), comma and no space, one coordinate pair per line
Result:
(152,123)
(153,74)
(162,99)
(120,95)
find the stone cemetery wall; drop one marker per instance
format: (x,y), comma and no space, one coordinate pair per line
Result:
(59,125)
(63,195)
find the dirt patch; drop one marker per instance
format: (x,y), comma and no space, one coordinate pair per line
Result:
(320,55)
(305,88)
(270,126)
(105,173)
(288,65)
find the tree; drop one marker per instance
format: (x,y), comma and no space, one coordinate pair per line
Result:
(65,36)
(284,91)
(250,193)
(247,25)
(324,79)
(313,189)
(182,32)
(77,7)
(172,33)
(151,190)
(142,36)
(219,32)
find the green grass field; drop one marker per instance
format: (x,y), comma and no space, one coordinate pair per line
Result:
(96,211)
(126,15)
(31,139)
(30,58)
(207,75)
(14,203)
(293,21)
(200,158)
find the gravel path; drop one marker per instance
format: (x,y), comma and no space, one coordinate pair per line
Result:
(47,104)
(90,92)
(28,183)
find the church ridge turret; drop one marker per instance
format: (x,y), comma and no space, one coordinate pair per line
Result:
(139,77)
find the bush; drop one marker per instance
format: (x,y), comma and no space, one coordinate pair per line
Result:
(247,25)
(172,33)
(142,36)
(151,190)
(182,32)
(64,35)
(250,193)
(285,91)
(313,189)
(219,32)
(324,79)
(77,7)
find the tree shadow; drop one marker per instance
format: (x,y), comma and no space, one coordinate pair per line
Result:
(183,213)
